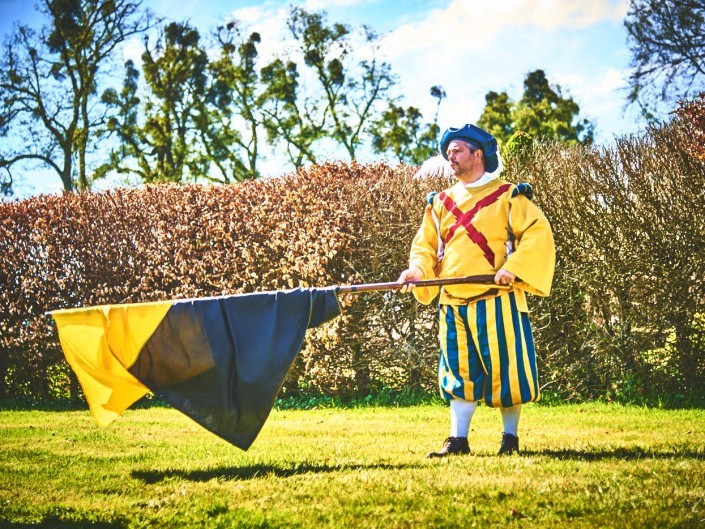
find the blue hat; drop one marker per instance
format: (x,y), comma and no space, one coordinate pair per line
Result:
(476,137)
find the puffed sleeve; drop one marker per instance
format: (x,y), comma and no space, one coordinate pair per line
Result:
(534,258)
(424,254)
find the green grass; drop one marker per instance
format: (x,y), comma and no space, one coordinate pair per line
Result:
(592,465)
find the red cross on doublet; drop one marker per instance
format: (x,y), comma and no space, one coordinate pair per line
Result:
(464,219)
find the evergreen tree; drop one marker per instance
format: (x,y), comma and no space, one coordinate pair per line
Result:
(496,118)
(542,112)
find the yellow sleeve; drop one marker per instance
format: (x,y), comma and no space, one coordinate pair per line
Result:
(534,258)
(424,254)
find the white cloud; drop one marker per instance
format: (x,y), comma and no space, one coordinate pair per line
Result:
(269,20)
(471,25)
(599,90)
(470,48)
(563,14)
(255,14)
(604,92)
(568,81)
(133,50)
(611,81)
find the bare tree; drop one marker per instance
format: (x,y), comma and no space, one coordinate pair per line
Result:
(667,41)
(49,104)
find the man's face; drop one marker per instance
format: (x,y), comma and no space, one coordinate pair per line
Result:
(465,161)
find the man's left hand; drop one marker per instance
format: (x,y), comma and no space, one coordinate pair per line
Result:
(502,277)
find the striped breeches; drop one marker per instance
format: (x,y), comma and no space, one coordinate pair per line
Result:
(487,353)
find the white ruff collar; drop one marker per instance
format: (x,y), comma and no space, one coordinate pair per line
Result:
(484,179)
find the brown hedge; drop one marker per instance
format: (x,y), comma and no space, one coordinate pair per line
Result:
(627,314)
(312,228)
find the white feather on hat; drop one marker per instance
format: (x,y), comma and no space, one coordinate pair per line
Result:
(437,166)
(434,167)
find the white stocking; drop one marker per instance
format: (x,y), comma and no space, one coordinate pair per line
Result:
(461,412)
(510,419)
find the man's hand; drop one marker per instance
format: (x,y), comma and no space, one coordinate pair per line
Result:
(414,273)
(502,277)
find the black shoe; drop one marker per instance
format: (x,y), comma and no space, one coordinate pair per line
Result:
(510,444)
(452,446)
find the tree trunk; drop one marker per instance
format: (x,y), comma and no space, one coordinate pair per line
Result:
(66,172)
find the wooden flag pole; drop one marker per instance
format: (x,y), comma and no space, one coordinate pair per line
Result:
(393,285)
(373,287)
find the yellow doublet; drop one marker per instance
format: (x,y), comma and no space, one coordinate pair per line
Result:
(473,225)
(487,347)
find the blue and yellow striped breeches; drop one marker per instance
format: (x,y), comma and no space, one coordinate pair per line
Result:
(487,353)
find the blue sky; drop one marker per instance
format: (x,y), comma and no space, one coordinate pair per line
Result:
(467,46)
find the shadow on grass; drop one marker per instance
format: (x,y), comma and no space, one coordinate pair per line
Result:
(56,522)
(67,405)
(253,472)
(624,454)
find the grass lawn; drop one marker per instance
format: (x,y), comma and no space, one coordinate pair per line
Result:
(592,465)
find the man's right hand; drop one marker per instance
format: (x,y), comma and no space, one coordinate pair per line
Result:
(413,273)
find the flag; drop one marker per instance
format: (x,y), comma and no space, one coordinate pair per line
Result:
(221,360)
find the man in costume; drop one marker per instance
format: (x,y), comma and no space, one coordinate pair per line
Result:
(482,226)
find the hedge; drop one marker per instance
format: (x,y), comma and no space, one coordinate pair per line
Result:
(625,318)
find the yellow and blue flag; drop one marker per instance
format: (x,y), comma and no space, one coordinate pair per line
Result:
(221,360)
